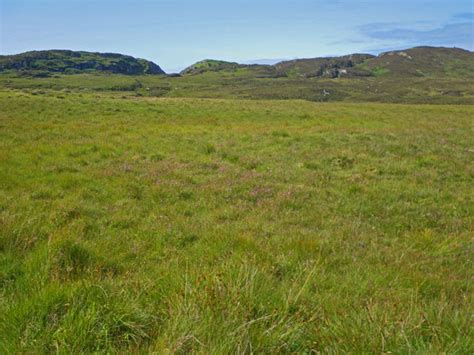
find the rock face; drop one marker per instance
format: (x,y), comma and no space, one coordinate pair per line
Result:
(65,61)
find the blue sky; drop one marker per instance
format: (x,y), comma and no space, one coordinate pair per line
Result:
(177,33)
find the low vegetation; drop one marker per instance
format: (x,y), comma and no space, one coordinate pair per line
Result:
(130,222)
(419,90)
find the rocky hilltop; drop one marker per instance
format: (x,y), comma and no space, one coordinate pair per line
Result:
(418,61)
(413,62)
(72,62)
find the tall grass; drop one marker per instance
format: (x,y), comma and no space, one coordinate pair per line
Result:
(217,226)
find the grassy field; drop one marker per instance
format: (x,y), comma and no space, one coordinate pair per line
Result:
(220,226)
(244,85)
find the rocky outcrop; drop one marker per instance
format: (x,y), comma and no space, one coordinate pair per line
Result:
(66,61)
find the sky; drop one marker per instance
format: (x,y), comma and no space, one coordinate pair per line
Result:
(176,33)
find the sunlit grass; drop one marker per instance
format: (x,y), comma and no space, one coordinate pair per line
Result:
(245,85)
(223,226)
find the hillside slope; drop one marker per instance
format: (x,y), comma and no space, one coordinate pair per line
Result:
(221,66)
(66,61)
(211,65)
(331,67)
(418,61)
(424,61)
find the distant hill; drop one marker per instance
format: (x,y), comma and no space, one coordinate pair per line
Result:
(418,61)
(414,62)
(65,61)
(423,61)
(212,65)
(330,67)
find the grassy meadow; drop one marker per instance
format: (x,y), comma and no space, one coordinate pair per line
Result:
(245,85)
(177,225)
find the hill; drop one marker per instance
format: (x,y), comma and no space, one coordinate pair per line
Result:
(41,63)
(211,65)
(418,61)
(423,61)
(413,62)
(331,67)
(417,75)
(221,66)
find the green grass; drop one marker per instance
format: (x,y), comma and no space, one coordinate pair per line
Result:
(223,226)
(243,84)
(212,65)
(378,71)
